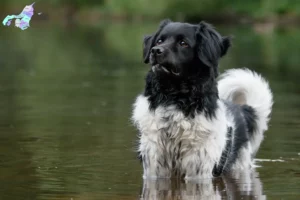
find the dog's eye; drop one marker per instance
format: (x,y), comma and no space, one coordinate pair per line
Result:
(159,42)
(183,43)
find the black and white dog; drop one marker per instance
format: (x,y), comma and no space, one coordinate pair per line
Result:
(190,124)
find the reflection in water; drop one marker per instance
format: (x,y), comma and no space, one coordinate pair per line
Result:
(241,185)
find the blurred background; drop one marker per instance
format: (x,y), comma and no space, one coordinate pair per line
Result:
(279,11)
(68,82)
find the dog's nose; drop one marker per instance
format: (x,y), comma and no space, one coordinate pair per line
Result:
(157,50)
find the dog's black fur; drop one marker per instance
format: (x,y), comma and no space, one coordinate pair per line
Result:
(184,59)
(196,63)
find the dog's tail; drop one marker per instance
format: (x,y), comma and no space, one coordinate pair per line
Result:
(246,87)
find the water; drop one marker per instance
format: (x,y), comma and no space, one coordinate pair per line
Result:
(65,103)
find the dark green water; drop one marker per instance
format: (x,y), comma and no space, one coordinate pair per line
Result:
(65,104)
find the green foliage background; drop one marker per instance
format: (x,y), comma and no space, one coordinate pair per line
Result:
(189,9)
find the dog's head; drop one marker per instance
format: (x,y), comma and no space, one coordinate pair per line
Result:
(183,49)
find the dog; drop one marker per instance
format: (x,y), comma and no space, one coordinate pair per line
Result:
(193,123)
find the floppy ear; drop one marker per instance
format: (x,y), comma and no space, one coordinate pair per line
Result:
(211,46)
(150,39)
(226,43)
(146,47)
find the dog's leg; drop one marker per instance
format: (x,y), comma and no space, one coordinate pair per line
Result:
(197,165)
(156,160)
(155,166)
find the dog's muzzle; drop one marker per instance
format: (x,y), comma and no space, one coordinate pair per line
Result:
(158,67)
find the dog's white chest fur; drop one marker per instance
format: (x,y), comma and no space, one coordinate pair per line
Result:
(170,141)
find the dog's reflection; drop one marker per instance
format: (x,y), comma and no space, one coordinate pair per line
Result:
(241,185)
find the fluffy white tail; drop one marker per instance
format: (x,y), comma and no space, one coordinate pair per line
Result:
(243,86)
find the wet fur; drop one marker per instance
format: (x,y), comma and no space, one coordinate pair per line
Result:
(187,126)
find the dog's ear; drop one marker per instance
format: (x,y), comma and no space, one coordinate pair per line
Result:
(226,43)
(146,47)
(211,45)
(164,22)
(149,40)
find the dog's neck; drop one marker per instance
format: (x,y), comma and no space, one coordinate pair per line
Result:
(191,96)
